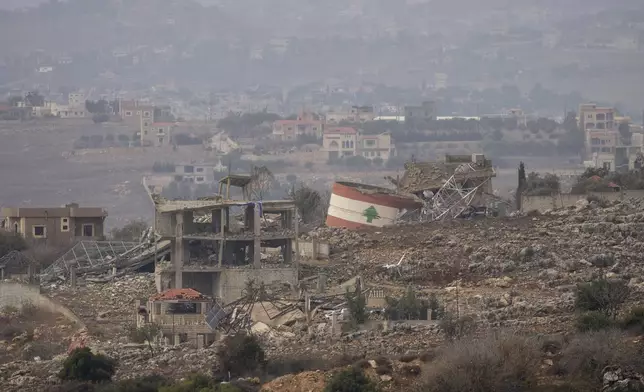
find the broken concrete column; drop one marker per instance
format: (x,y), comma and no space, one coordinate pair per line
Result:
(321,283)
(335,326)
(178,251)
(72,276)
(307,307)
(257,231)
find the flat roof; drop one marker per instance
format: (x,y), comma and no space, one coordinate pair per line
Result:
(193,205)
(53,212)
(239,180)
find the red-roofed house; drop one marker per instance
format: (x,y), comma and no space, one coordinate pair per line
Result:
(181,316)
(305,124)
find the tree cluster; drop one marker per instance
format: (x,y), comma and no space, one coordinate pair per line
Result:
(102,106)
(538,185)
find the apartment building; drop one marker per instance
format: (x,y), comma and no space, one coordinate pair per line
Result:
(341,142)
(198,173)
(426,111)
(600,147)
(57,226)
(601,135)
(157,134)
(305,124)
(593,117)
(357,114)
(138,116)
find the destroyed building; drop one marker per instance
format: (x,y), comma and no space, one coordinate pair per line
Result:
(459,185)
(180,316)
(218,245)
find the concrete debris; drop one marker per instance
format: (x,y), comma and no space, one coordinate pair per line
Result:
(105,258)
(616,379)
(518,273)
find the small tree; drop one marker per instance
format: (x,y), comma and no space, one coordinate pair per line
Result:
(145,334)
(593,321)
(357,305)
(83,365)
(602,295)
(10,241)
(308,202)
(261,182)
(131,232)
(350,380)
(455,327)
(407,307)
(240,355)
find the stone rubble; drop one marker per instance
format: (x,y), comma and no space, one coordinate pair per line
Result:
(517,273)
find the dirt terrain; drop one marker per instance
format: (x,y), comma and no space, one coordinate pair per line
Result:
(39,167)
(516,274)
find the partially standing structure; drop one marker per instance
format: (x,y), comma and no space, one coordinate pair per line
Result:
(216,245)
(459,184)
(180,315)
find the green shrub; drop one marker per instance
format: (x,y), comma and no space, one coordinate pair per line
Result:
(145,334)
(457,328)
(409,307)
(192,383)
(602,295)
(350,380)
(74,386)
(500,363)
(291,365)
(586,355)
(357,305)
(593,321)
(130,232)
(10,241)
(240,355)
(634,320)
(83,365)
(144,384)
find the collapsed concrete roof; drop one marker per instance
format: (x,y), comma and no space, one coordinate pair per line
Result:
(421,176)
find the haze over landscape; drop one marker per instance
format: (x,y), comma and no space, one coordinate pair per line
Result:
(300,195)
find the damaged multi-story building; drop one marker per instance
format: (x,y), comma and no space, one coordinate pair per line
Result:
(219,245)
(461,184)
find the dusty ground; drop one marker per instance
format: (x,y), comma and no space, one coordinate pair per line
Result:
(516,274)
(32,334)
(37,167)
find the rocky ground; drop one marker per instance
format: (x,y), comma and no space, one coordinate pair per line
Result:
(517,273)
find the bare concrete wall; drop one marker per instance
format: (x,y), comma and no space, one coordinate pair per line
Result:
(314,249)
(233,281)
(16,294)
(543,203)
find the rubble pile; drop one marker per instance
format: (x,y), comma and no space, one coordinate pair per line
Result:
(518,273)
(134,360)
(105,308)
(508,271)
(339,239)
